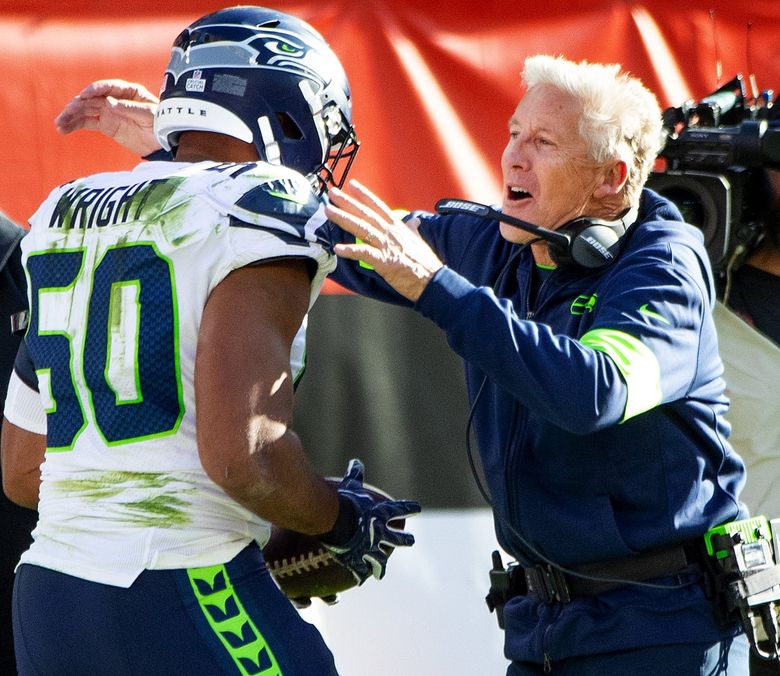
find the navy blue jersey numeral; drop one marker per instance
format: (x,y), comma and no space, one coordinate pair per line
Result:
(51,349)
(130,357)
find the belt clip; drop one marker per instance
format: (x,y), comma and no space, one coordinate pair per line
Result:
(547,583)
(503,586)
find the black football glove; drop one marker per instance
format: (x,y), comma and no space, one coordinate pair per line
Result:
(365,553)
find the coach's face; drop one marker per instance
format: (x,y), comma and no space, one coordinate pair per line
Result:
(549,178)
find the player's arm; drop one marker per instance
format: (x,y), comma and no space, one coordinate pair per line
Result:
(23,441)
(22,454)
(244,397)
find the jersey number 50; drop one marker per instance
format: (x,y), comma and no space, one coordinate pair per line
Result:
(105,336)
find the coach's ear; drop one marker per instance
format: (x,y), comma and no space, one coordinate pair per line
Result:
(612,182)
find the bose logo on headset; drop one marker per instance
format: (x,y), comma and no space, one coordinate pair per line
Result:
(586,243)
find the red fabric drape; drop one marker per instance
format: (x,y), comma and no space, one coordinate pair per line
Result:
(434,82)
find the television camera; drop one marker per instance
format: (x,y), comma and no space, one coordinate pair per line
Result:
(715,150)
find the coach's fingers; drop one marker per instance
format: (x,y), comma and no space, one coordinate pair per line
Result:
(360,208)
(354,224)
(364,196)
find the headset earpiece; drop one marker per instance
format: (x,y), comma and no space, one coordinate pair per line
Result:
(593,243)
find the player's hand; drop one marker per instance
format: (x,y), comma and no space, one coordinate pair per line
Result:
(123,111)
(393,248)
(365,554)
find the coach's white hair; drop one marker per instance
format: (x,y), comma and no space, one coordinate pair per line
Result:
(621,118)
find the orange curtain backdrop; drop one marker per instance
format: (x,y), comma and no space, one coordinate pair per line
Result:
(434,83)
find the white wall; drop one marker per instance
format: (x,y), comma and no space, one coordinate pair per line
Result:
(428,616)
(752,373)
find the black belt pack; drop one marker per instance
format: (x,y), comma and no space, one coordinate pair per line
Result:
(738,564)
(550,583)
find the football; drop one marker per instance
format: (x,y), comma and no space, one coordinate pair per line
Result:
(301,565)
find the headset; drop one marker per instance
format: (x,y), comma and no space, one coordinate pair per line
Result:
(585,243)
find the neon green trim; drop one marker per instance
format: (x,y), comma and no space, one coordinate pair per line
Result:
(652,313)
(290,197)
(544,266)
(297,376)
(363,264)
(751,530)
(636,363)
(582,304)
(229,620)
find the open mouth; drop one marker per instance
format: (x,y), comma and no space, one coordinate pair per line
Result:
(515,194)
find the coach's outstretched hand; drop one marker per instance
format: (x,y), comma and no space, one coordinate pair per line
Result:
(121,110)
(394,248)
(366,552)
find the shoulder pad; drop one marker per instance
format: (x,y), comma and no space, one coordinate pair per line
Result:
(255,192)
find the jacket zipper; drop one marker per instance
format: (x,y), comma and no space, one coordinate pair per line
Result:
(547,659)
(531,308)
(508,465)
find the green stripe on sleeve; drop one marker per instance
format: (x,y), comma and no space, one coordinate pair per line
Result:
(636,362)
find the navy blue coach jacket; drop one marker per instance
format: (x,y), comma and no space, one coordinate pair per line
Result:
(600,424)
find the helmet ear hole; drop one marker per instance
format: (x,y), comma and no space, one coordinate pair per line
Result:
(289,126)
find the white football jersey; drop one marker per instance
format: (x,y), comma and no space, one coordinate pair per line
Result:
(120,266)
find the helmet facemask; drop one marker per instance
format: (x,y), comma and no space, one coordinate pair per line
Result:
(342,150)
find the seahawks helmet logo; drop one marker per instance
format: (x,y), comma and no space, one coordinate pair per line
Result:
(217,47)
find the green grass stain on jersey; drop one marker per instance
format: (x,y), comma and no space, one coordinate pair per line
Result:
(83,207)
(115,309)
(171,222)
(163,509)
(65,209)
(166,208)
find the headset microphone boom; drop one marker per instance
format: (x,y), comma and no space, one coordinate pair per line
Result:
(584,243)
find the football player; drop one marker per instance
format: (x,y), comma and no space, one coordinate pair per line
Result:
(155,381)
